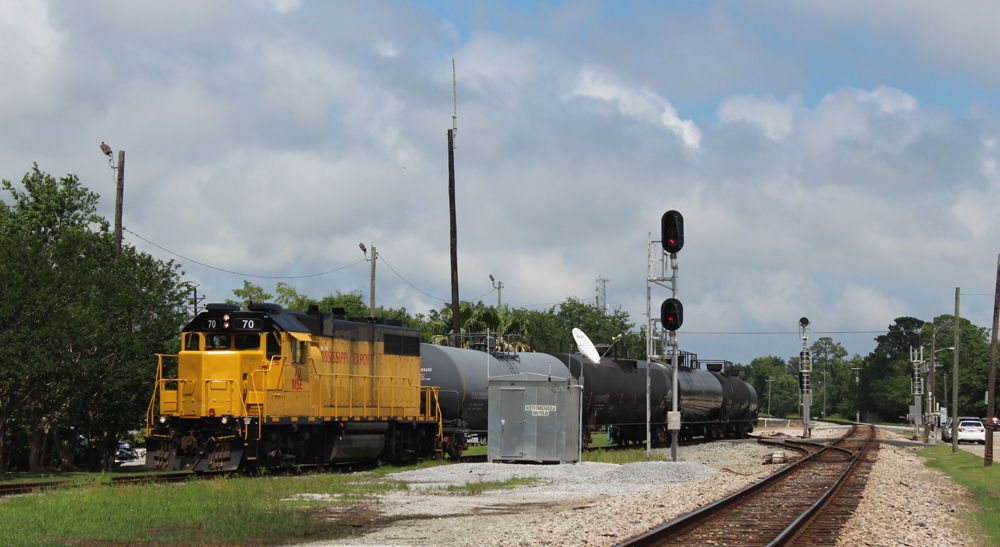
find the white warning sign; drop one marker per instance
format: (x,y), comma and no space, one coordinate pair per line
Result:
(540,410)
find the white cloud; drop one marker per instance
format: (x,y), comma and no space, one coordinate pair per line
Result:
(774,117)
(30,66)
(642,104)
(866,307)
(888,100)
(388,48)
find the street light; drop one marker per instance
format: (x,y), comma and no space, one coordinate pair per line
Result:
(120,171)
(498,285)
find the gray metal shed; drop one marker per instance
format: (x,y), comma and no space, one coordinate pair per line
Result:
(534,418)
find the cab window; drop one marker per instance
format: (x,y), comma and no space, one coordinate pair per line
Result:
(247,341)
(300,350)
(273,345)
(215,342)
(192,341)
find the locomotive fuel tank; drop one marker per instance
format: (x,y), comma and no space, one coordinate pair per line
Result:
(461,376)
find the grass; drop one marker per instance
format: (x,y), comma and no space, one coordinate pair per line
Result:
(473,488)
(984,482)
(219,512)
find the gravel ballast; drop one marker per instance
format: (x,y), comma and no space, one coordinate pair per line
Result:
(597,504)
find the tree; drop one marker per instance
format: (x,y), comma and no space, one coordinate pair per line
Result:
(79,321)
(250,293)
(884,387)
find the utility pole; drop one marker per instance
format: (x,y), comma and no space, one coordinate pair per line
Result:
(196,300)
(988,454)
(455,307)
(119,195)
(498,285)
(954,387)
(371,305)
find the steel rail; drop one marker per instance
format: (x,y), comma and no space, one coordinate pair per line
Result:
(689,521)
(799,524)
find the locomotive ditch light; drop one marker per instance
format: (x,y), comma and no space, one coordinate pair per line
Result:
(672,231)
(672,314)
(224,420)
(162,419)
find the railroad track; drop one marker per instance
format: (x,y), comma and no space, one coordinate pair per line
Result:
(805,503)
(14,488)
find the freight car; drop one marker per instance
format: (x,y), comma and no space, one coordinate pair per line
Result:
(268,387)
(714,403)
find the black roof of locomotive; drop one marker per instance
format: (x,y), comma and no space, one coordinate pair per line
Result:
(282,320)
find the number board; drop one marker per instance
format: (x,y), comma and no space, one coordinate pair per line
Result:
(212,323)
(245,324)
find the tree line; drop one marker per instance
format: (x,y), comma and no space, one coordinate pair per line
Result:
(878,387)
(81,322)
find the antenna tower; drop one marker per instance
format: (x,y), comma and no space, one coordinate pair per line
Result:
(602,293)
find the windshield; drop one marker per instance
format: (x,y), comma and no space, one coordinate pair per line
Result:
(970,424)
(214,342)
(247,341)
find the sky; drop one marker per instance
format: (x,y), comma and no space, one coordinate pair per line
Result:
(835,160)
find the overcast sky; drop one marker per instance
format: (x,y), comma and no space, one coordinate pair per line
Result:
(832,159)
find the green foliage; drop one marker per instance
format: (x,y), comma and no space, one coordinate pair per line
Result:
(250,293)
(79,323)
(984,482)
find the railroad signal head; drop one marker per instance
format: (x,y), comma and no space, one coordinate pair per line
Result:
(672,231)
(671,314)
(914,340)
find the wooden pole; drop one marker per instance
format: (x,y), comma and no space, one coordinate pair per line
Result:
(118,201)
(456,319)
(988,453)
(371,306)
(954,377)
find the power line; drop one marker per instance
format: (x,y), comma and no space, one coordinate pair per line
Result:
(380,255)
(420,291)
(239,273)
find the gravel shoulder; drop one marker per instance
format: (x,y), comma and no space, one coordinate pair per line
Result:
(597,504)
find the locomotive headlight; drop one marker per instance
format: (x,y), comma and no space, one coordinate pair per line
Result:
(162,419)
(225,317)
(225,325)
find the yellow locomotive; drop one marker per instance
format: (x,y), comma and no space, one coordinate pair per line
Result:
(268,387)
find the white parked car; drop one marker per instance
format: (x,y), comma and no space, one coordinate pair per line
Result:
(971,431)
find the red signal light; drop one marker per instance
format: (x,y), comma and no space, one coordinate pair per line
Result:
(672,231)
(671,314)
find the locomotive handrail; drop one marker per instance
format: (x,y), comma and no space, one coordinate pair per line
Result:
(156,391)
(368,382)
